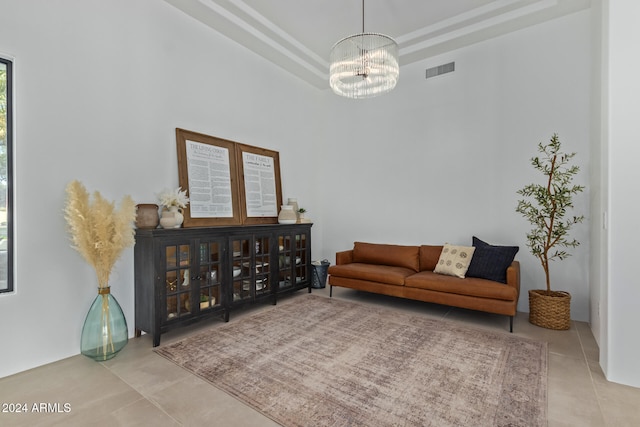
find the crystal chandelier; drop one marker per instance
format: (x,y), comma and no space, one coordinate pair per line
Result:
(364,65)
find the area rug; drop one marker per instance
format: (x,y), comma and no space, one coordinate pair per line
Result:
(317,361)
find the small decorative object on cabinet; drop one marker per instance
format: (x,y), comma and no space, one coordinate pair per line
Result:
(292,201)
(147,215)
(300,213)
(100,233)
(184,275)
(287,215)
(173,201)
(171,217)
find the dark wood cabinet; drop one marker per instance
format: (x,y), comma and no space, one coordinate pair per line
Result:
(187,274)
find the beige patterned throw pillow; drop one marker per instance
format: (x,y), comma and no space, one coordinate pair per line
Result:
(454,260)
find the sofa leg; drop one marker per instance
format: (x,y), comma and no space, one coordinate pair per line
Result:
(330,291)
(511,324)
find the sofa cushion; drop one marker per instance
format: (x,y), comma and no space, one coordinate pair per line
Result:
(490,262)
(375,273)
(395,255)
(454,260)
(429,256)
(470,286)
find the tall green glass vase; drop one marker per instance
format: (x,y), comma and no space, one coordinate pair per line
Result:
(104,332)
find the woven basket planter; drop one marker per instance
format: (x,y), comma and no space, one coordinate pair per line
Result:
(550,310)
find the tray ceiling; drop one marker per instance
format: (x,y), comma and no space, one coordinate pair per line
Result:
(297,35)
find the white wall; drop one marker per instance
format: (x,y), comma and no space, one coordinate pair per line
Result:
(100,88)
(598,186)
(440,160)
(620,348)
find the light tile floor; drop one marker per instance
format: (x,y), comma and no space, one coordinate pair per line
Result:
(138,387)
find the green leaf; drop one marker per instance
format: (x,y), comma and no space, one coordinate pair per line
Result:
(546,205)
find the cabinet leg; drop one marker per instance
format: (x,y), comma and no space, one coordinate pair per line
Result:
(225,317)
(309,288)
(156,339)
(138,333)
(330,291)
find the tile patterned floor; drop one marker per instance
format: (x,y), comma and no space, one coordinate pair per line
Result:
(140,388)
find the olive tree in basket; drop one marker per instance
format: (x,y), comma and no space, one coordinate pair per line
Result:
(546,207)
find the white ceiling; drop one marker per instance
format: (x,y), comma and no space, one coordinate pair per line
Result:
(297,35)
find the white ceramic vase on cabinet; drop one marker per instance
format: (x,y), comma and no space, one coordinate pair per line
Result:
(171,217)
(287,215)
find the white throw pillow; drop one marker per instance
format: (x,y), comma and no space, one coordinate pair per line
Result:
(454,260)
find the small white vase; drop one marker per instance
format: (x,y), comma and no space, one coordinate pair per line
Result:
(287,215)
(171,217)
(293,202)
(178,215)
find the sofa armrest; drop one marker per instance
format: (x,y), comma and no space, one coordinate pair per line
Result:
(344,257)
(513,275)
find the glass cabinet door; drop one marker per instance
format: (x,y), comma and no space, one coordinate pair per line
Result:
(284,262)
(210,274)
(241,275)
(293,253)
(178,286)
(262,265)
(302,254)
(251,267)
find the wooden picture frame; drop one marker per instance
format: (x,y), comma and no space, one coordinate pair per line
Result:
(259,184)
(207,169)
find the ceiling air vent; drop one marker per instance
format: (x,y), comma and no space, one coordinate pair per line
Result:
(441,69)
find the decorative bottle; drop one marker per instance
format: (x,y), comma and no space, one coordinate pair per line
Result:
(147,215)
(104,332)
(287,215)
(292,201)
(171,217)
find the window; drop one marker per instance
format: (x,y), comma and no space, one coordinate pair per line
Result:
(6,177)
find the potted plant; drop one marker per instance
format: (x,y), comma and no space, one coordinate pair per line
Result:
(173,202)
(545,207)
(207,301)
(100,232)
(301,212)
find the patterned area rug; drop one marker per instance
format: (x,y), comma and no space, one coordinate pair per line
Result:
(315,361)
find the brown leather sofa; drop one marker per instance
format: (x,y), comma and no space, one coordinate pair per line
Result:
(407,272)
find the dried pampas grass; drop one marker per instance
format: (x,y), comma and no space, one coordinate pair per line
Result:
(98,231)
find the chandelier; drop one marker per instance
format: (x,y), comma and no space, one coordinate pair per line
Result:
(364,65)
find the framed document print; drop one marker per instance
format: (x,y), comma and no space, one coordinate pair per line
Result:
(260,186)
(228,183)
(207,168)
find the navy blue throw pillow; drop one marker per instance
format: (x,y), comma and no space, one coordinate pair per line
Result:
(490,262)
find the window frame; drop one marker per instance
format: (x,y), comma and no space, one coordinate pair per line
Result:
(9,62)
